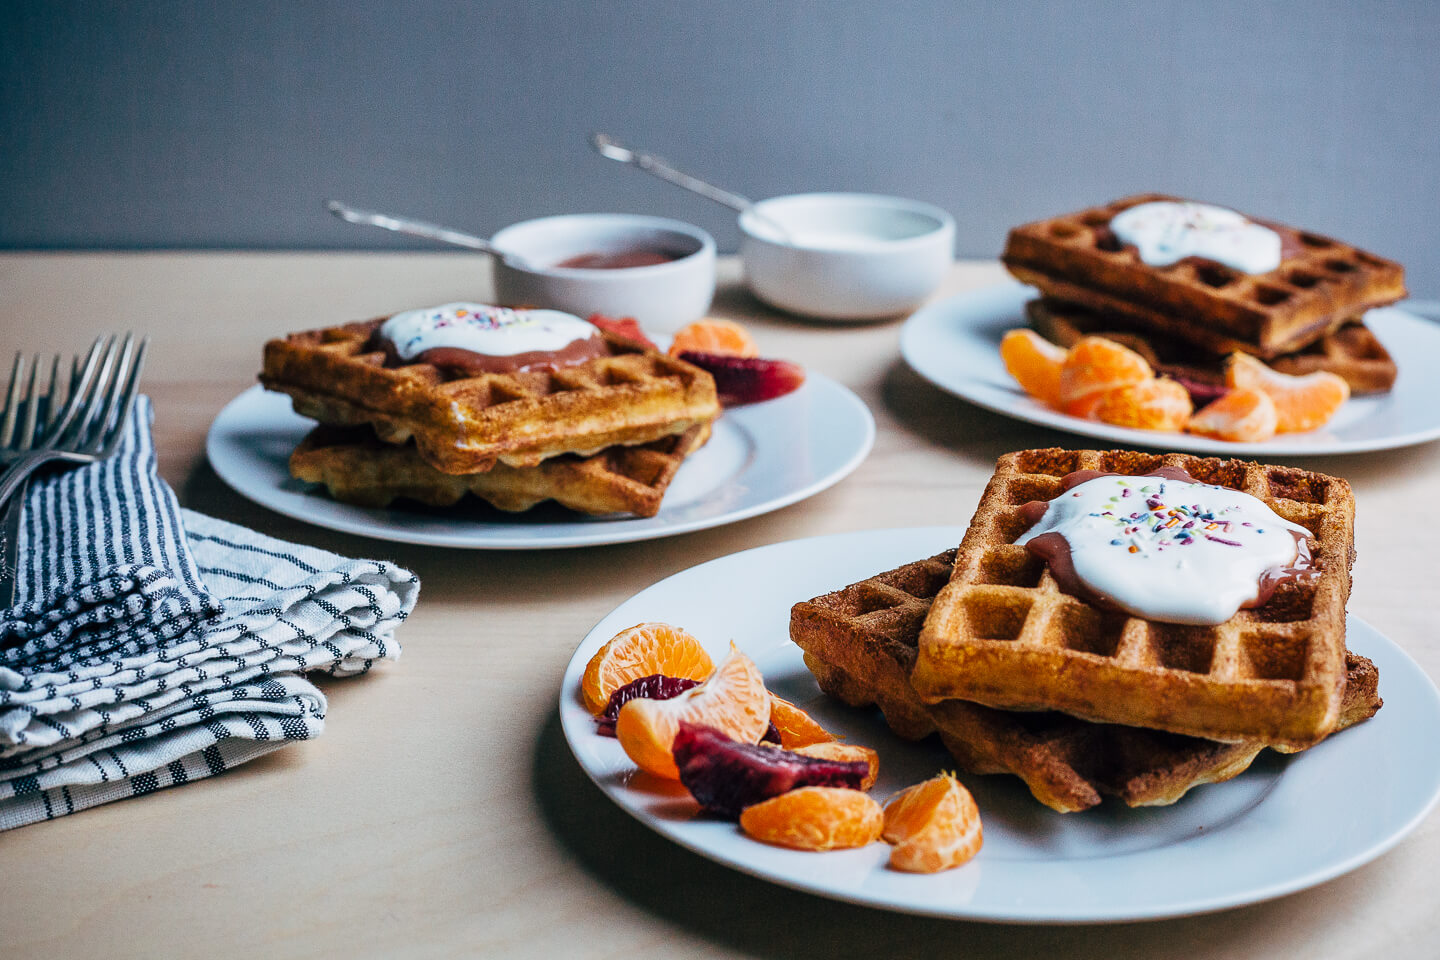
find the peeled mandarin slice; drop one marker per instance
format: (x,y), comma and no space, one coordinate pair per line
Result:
(815,818)
(797,728)
(733,701)
(641,651)
(1240,416)
(1159,404)
(934,826)
(1094,366)
(1034,362)
(1301,403)
(725,337)
(846,753)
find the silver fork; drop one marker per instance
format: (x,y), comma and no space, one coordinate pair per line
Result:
(82,422)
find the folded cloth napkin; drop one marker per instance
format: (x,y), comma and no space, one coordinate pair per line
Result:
(150,646)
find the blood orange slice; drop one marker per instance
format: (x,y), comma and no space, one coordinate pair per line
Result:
(641,651)
(733,701)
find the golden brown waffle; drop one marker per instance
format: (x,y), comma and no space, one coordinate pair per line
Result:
(1002,633)
(860,643)
(466,424)
(1352,352)
(1320,283)
(358,468)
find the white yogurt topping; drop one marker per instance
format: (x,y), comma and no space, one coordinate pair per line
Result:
(481,328)
(1169,550)
(1165,232)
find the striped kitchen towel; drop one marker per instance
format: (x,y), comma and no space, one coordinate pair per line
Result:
(150,646)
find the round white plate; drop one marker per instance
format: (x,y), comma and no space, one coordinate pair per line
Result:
(759,458)
(1285,824)
(955,344)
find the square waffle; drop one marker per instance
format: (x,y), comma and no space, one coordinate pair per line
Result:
(1319,284)
(358,468)
(467,424)
(860,642)
(1351,352)
(1002,633)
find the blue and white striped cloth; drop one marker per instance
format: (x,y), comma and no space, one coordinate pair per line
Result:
(150,646)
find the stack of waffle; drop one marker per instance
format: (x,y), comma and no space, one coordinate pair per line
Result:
(605,436)
(980,646)
(1185,318)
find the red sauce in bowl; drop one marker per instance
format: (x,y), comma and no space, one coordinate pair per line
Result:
(619,260)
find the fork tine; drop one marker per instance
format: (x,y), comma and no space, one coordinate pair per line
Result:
(12,400)
(127,400)
(80,380)
(114,390)
(26,437)
(55,401)
(95,397)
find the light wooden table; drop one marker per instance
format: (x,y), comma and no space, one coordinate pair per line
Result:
(441,813)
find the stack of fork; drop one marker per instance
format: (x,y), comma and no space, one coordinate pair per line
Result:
(75,420)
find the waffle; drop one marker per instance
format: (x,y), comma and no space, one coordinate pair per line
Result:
(358,468)
(467,424)
(1319,284)
(1351,352)
(1002,633)
(860,643)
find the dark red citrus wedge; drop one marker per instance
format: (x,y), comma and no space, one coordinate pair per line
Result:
(727,776)
(742,380)
(625,327)
(656,686)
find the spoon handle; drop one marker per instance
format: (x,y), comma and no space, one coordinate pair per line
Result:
(653,165)
(415,228)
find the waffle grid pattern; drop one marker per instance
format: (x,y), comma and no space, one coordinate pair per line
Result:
(1002,633)
(357,468)
(465,424)
(860,643)
(1320,282)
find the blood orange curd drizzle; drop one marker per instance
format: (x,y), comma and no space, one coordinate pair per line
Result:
(1165,547)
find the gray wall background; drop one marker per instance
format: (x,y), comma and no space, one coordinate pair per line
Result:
(196,124)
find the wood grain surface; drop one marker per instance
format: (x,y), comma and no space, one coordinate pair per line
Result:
(441,814)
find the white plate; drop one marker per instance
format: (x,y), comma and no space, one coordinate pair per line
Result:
(955,344)
(760,458)
(1286,824)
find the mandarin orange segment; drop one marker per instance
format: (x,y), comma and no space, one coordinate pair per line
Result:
(1034,362)
(934,826)
(1301,403)
(815,818)
(711,335)
(797,728)
(1092,367)
(846,753)
(640,651)
(1158,404)
(1240,416)
(733,701)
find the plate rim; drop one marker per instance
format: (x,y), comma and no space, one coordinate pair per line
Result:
(605,533)
(930,319)
(572,726)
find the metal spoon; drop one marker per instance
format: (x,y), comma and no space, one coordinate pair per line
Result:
(419,228)
(606,146)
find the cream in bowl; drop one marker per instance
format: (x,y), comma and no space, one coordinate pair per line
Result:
(659,271)
(845,256)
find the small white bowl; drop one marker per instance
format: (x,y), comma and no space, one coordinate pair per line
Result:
(845,256)
(663,296)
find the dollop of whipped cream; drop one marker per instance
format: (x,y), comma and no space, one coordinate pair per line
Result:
(1168,550)
(1165,232)
(483,329)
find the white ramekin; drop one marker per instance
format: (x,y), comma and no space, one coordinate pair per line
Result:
(665,296)
(845,256)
